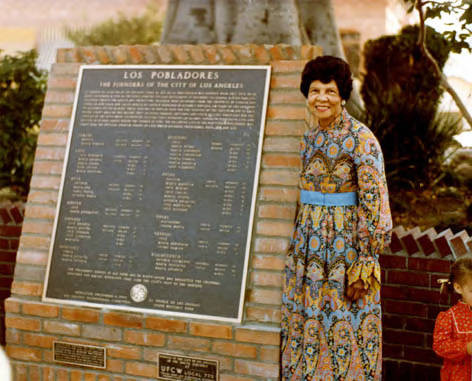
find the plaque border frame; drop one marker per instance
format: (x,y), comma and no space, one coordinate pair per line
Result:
(83,345)
(121,307)
(188,357)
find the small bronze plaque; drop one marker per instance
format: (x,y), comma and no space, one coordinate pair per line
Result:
(182,368)
(79,354)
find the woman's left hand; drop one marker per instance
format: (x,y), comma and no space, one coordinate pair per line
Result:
(356,290)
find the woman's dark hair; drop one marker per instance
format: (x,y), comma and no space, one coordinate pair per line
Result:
(326,69)
(460,270)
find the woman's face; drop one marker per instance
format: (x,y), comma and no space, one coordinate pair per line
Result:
(324,101)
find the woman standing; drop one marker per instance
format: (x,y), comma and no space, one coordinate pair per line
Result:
(331,316)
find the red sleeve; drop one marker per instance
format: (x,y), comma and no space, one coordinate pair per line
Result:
(444,343)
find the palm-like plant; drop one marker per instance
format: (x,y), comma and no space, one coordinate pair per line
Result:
(401,94)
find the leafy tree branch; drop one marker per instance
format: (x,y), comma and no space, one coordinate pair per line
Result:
(432,9)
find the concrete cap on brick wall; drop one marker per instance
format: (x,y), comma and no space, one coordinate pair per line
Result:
(414,241)
(12,212)
(188,54)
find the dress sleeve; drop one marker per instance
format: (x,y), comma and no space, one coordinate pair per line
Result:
(444,343)
(374,221)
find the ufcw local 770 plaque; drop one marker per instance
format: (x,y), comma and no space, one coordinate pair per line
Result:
(158,189)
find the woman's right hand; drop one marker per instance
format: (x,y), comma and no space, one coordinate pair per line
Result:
(356,290)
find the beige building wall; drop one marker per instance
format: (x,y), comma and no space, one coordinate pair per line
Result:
(28,24)
(372,18)
(362,20)
(368,17)
(42,13)
(14,39)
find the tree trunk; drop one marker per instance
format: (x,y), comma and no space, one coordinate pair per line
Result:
(189,22)
(225,19)
(267,22)
(293,22)
(317,18)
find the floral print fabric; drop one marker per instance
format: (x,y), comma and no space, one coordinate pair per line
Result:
(324,335)
(452,332)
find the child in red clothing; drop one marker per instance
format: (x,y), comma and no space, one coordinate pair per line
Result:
(452,338)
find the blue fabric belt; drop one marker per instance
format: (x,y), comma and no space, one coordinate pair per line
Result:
(328,199)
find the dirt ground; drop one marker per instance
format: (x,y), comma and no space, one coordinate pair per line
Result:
(442,208)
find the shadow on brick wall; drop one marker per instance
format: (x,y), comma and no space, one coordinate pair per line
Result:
(411,299)
(11,220)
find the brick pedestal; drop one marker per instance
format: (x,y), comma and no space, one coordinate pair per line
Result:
(246,351)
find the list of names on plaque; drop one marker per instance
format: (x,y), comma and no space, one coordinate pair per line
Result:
(158,189)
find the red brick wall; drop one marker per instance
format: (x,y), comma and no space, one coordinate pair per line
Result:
(11,218)
(411,299)
(410,303)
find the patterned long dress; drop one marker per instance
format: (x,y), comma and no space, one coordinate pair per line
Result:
(324,335)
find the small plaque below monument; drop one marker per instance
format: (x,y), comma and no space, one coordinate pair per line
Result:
(78,354)
(182,368)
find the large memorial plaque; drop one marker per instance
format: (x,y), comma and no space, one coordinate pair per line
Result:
(158,189)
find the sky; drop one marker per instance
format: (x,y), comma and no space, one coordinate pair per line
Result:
(457,66)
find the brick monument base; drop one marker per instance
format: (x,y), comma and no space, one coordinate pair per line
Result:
(246,351)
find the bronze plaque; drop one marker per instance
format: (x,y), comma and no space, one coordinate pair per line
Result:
(183,368)
(159,190)
(79,354)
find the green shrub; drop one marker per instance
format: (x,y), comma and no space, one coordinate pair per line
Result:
(22,90)
(401,95)
(144,29)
